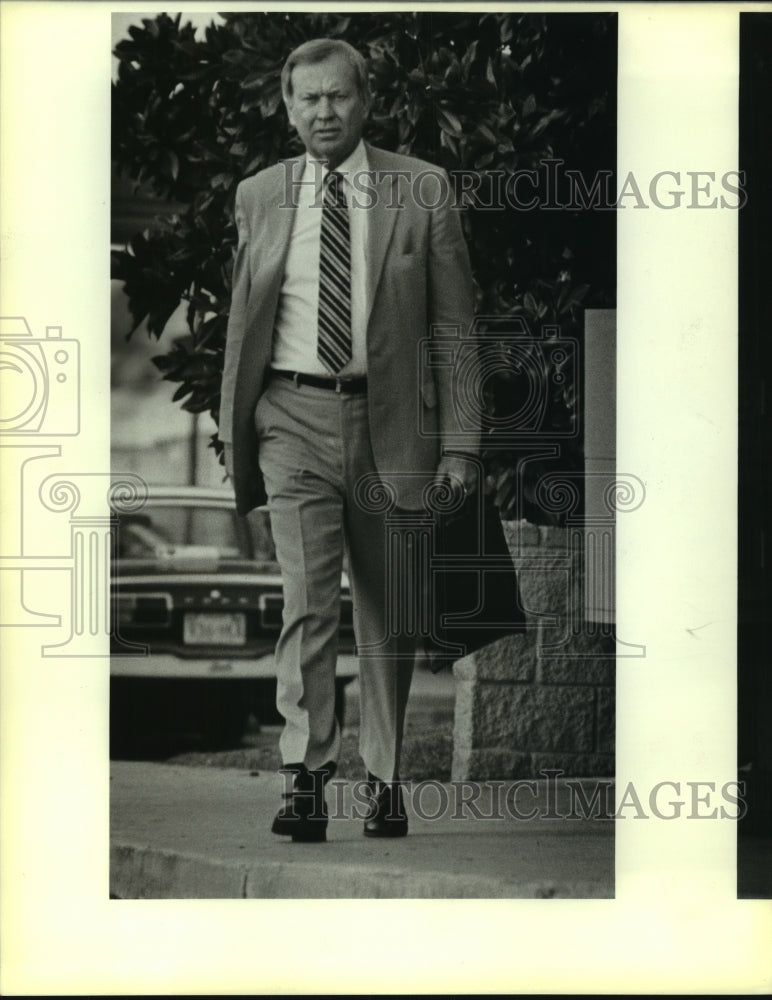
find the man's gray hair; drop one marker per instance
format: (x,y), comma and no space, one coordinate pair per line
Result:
(319,49)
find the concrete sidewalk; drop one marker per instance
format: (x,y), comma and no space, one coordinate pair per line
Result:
(195,832)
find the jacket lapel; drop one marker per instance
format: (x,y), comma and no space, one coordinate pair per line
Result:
(381,223)
(272,229)
(279,206)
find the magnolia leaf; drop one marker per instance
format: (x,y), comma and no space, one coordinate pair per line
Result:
(270,99)
(469,56)
(449,122)
(253,82)
(487,133)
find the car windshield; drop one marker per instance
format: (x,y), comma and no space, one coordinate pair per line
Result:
(169,534)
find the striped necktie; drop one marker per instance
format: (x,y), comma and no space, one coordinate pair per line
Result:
(334,317)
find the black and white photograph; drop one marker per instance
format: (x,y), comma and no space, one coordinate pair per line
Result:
(385,489)
(385,389)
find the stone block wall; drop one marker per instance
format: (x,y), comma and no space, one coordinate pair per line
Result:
(543,699)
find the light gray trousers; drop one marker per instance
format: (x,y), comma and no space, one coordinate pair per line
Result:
(314,448)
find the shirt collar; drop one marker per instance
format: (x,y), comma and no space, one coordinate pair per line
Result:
(355,162)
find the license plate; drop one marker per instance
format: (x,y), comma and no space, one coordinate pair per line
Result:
(215,629)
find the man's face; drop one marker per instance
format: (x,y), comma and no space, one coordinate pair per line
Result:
(327,109)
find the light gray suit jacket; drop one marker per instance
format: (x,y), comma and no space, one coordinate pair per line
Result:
(418,277)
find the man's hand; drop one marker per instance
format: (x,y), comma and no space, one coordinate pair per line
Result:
(457,473)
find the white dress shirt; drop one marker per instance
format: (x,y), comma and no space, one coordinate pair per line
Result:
(295,331)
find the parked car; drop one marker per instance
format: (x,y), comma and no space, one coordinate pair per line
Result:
(196,611)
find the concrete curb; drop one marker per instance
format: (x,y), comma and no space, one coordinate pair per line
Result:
(148,873)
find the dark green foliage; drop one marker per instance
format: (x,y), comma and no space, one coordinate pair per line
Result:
(470,91)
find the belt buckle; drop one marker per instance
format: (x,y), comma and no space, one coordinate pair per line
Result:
(338,385)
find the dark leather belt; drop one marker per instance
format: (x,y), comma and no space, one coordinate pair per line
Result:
(356,384)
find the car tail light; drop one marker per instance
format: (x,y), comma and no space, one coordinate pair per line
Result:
(149,610)
(271,606)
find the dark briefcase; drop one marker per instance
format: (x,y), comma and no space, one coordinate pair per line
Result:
(473,595)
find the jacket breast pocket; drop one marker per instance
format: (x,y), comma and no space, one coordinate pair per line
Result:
(410,244)
(406,258)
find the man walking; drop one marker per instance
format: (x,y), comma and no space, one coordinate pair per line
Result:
(347,257)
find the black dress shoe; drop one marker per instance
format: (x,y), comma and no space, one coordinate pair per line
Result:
(304,815)
(387,816)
